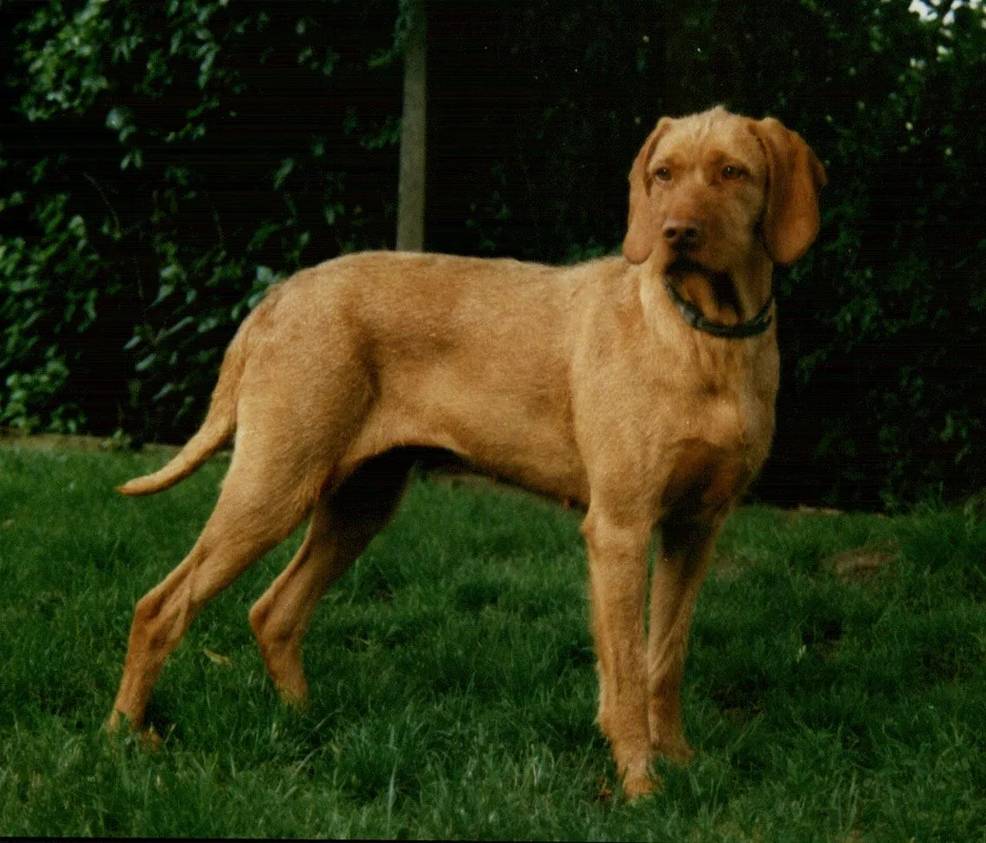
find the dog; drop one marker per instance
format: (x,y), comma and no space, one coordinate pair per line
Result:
(640,386)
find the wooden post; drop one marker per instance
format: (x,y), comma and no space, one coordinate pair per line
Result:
(411,184)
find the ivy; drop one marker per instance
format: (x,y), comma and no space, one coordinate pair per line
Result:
(109,269)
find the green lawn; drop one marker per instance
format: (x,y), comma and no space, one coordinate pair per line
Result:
(836,688)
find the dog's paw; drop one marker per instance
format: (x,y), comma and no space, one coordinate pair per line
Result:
(293,695)
(640,784)
(118,725)
(638,778)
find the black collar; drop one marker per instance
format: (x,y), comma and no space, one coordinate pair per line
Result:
(694,317)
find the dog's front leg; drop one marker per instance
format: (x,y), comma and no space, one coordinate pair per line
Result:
(678,575)
(618,583)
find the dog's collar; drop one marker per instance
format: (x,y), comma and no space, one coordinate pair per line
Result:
(694,317)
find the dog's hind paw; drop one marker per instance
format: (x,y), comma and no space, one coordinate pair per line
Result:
(119,725)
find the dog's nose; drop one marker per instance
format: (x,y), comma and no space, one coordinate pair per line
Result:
(682,234)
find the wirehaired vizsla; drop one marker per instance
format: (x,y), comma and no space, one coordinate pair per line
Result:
(641,386)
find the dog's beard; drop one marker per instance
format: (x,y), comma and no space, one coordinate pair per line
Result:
(682,268)
(682,265)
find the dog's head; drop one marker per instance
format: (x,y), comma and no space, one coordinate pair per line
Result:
(710,190)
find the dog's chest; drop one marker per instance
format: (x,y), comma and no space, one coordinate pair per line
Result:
(716,450)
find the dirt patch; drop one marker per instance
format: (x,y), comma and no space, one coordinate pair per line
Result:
(73,442)
(816,510)
(730,567)
(805,511)
(861,564)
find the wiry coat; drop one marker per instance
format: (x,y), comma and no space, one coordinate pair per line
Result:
(583,383)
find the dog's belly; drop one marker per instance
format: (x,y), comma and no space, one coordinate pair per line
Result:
(715,450)
(535,458)
(529,451)
(516,432)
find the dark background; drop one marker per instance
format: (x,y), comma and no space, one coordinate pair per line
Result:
(162,163)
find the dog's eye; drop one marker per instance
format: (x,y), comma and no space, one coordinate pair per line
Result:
(732,172)
(663,173)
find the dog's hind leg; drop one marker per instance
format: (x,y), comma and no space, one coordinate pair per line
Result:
(266,493)
(342,525)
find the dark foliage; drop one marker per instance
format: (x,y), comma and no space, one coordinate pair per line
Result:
(162,164)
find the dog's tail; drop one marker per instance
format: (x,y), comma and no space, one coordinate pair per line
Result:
(218,427)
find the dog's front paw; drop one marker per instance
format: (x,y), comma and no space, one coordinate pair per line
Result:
(639,780)
(638,784)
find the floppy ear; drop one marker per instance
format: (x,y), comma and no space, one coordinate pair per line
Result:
(794,177)
(641,224)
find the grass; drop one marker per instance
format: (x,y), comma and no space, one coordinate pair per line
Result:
(836,686)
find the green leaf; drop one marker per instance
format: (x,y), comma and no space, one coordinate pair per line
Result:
(146,362)
(285,170)
(118,118)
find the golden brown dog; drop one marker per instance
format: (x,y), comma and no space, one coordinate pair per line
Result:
(641,386)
